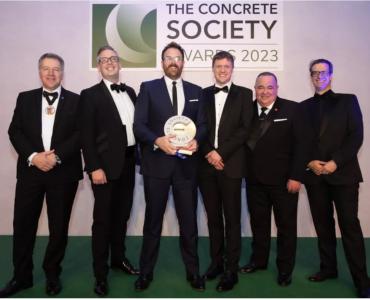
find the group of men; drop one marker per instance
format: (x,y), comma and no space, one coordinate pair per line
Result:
(274,143)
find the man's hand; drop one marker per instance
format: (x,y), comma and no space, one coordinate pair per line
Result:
(98,177)
(316,166)
(191,146)
(329,167)
(164,143)
(44,161)
(293,186)
(215,160)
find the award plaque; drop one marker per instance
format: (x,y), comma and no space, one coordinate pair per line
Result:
(183,129)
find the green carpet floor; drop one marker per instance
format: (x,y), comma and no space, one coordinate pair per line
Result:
(169,277)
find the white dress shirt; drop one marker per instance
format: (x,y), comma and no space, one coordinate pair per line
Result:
(267,110)
(180,93)
(220,100)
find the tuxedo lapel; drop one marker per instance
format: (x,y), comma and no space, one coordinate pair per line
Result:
(59,113)
(226,112)
(108,100)
(36,115)
(270,117)
(211,114)
(327,109)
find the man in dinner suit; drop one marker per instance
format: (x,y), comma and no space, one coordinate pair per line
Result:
(276,162)
(44,132)
(164,166)
(108,146)
(333,175)
(229,112)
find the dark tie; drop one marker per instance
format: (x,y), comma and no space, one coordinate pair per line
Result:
(50,97)
(174,97)
(118,87)
(263,115)
(224,89)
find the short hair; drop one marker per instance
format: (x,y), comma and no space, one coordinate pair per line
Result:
(267,74)
(53,56)
(222,55)
(173,45)
(103,48)
(322,61)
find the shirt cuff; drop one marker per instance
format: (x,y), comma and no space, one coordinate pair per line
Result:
(29,160)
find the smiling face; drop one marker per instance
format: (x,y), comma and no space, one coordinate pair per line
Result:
(172,63)
(266,89)
(222,70)
(109,65)
(51,73)
(321,77)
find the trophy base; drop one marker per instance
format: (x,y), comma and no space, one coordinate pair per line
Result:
(186,152)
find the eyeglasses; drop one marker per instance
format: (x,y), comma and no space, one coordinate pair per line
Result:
(319,73)
(175,59)
(112,59)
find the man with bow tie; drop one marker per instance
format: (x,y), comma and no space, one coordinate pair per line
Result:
(229,112)
(108,146)
(44,132)
(276,162)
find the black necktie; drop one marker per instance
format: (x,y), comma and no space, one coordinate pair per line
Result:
(263,115)
(118,87)
(224,89)
(50,97)
(174,97)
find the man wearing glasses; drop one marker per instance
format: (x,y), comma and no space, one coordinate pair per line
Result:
(333,175)
(163,166)
(108,146)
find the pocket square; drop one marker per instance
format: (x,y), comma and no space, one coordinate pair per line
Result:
(193,100)
(280,120)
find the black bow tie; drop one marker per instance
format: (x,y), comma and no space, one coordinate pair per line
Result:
(118,87)
(50,97)
(224,89)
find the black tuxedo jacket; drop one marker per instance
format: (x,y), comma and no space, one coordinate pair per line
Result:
(233,129)
(25,135)
(104,138)
(337,136)
(279,151)
(154,108)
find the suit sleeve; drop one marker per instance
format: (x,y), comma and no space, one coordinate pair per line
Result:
(355,134)
(141,118)
(19,141)
(301,144)
(239,136)
(201,122)
(88,132)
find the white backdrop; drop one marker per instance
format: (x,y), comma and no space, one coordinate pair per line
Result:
(336,30)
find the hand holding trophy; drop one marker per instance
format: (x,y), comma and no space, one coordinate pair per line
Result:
(183,130)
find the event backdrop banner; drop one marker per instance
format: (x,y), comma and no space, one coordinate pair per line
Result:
(251,31)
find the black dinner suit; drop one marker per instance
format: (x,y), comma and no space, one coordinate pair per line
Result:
(58,186)
(276,153)
(335,122)
(221,189)
(104,146)
(154,108)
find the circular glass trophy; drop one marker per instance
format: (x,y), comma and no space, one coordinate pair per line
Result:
(183,129)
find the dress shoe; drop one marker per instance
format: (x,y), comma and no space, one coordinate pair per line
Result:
(251,267)
(13,287)
(212,272)
(143,282)
(101,287)
(196,282)
(126,267)
(227,281)
(321,276)
(53,287)
(364,293)
(284,279)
